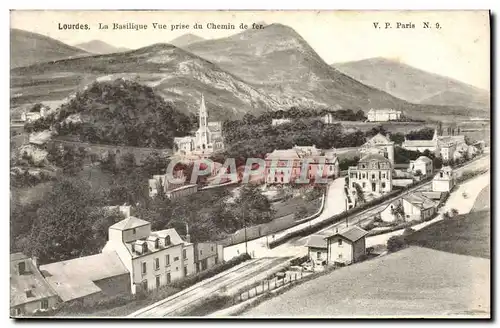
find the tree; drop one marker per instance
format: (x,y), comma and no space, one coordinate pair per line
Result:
(454,212)
(70,223)
(127,162)
(395,243)
(252,207)
(359,193)
(398,138)
(446,216)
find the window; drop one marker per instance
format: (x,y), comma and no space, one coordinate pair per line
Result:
(44,304)
(157,263)
(340,255)
(383,184)
(176,258)
(169,278)
(364,184)
(185,270)
(184,254)
(157,243)
(340,242)
(167,260)
(373,176)
(212,248)
(22,267)
(144,267)
(176,268)
(318,255)
(145,284)
(201,252)
(167,241)
(157,282)
(29,293)
(133,231)
(383,175)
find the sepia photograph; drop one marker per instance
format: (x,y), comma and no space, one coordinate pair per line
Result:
(250,164)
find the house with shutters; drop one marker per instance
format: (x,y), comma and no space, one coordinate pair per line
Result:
(153,258)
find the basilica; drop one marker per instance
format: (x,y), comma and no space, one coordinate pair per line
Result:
(207,139)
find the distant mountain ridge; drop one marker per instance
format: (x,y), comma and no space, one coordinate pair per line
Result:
(177,75)
(99,47)
(27,48)
(185,40)
(413,84)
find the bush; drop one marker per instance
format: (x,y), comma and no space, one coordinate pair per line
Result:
(395,243)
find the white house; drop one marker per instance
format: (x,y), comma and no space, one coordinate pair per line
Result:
(383,115)
(279,121)
(418,207)
(444,180)
(153,258)
(317,250)
(347,246)
(423,164)
(373,173)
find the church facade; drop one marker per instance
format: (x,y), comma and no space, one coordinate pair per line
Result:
(207,139)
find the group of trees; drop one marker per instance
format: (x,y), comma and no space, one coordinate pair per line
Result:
(119,112)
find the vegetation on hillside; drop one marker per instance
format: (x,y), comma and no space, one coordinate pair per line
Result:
(119,112)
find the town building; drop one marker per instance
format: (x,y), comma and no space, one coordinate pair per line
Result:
(36,113)
(29,292)
(423,164)
(347,246)
(423,145)
(383,115)
(207,255)
(89,279)
(153,258)
(373,174)
(279,121)
(379,144)
(285,166)
(418,207)
(389,213)
(317,250)
(447,151)
(328,118)
(207,139)
(444,180)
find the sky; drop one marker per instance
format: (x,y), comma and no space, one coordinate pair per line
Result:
(459,49)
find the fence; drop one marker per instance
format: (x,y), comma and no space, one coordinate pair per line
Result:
(267,286)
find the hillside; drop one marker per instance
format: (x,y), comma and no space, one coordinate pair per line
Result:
(185,40)
(123,113)
(99,47)
(282,62)
(415,85)
(27,48)
(178,76)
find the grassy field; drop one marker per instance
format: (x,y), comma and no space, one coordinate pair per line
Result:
(413,282)
(467,234)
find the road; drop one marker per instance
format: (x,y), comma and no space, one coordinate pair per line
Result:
(230,280)
(295,246)
(334,204)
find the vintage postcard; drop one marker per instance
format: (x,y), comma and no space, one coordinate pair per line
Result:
(250,164)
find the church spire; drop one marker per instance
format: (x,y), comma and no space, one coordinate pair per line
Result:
(203,113)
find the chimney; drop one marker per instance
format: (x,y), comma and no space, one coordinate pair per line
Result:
(188,237)
(34,259)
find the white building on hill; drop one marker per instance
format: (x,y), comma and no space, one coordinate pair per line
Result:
(444,180)
(383,115)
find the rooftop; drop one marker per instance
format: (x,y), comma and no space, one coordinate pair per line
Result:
(129,223)
(419,200)
(373,157)
(75,278)
(317,241)
(175,239)
(32,281)
(352,234)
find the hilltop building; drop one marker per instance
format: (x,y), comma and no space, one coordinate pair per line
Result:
(207,139)
(373,174)
(279,121)
(383,115)
(29,292)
